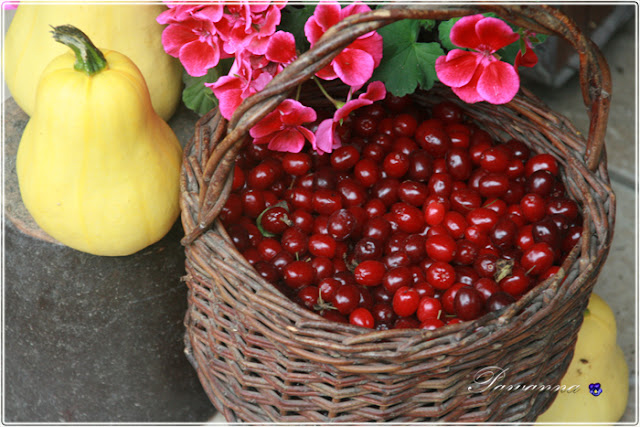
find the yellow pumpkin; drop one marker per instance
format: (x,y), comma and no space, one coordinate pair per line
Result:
(98,169)
(597,359)
(130,29)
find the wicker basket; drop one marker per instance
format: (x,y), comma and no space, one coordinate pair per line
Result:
(261,358)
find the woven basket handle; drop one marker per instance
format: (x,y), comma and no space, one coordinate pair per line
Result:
(595,81)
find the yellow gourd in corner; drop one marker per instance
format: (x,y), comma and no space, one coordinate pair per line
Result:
(597,359)
(130,29)
(98,169)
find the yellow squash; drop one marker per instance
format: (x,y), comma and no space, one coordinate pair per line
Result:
(597,359)
(130,29)
(98,169)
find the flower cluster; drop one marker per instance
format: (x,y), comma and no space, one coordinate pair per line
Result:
(478,74)
(201,35)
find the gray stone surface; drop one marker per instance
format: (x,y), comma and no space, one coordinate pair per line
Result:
(88,338)
(96,339)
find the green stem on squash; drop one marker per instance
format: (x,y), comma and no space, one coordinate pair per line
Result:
(88,57)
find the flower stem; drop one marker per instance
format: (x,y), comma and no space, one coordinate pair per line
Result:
(88,57)
(335,102)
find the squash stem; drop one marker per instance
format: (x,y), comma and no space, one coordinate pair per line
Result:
(88,57)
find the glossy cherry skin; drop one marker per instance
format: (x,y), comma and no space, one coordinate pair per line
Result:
(499,301)
(468,303)
(298,274)
(405,301)
(538,258)
(428,308)
(441,248)
(431,136)
(369,273)
(297,164)
(362,317)
(346,298)
(396,278)
(440,275)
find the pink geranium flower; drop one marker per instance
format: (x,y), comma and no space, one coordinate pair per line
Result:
(355,64)
(282,129)
(251,73)
(479,75)
(192,36)
(202,34)
(327,138)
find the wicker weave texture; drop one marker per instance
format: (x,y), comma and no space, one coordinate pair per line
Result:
(261,358)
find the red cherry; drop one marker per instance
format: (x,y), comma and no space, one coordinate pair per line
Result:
(405,301)
(396,164)
(429,308)
(369,273)
(396,278)
(296,164)
(468,303)
(441,247)
(538,258)
(298,274)
(440,275)
(516,283)
(499,301)
(545,162)
(346,298)
(495,159)
(362,317)
(367,172)
(344,158)
(431,324)
(431,136)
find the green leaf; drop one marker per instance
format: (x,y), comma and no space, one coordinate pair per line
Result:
(444,30)
(406,63)
(293,19)
(196,96)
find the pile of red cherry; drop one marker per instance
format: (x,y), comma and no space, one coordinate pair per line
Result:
(414,222)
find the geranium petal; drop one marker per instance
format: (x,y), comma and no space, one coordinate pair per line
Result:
(175,36)
(197,58)
(354,67)
(324,136)
(457,68)
(469,92)
(529,59)
(287,140)
(327,73)
(294,113)
(372,44)
(212,12)
(269,124)
(349,107)
(498,83)
(312,31)
(327,14)
(228,90)
(353,9)
(375,91)
(463,32)
(495,34)
(281,48)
